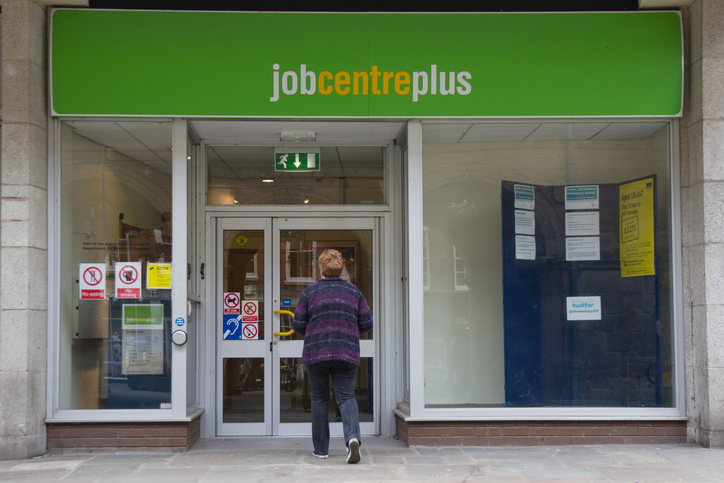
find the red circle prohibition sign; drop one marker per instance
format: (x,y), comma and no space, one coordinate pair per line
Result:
(129,274)
(249,331)
(92,276)
(231,301)
(249,309)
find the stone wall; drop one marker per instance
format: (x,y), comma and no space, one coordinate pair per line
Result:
(23,256)
(702,181)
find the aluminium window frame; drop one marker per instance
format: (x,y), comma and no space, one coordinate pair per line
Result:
(416,411)
(179,295)
(388,340)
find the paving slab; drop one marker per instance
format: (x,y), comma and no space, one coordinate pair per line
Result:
(289,460)
(647,474)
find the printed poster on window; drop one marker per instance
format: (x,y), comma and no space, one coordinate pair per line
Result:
(158,276)
(636,231)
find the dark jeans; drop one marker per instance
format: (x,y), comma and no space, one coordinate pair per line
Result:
(343,376)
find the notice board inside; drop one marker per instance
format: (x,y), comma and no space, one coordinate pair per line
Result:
(581,295)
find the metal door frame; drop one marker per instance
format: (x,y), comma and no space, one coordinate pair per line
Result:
(224,349)
(272,226)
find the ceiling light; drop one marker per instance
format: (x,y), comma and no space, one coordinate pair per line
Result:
(298,136)
(306,201)
(267,181)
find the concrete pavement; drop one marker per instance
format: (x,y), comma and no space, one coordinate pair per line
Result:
(383,459)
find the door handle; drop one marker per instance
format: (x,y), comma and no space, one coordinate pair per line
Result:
(285,312)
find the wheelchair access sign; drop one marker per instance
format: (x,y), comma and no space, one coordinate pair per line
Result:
(236,329)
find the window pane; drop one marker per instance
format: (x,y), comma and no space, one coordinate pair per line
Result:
(244,274)
(549,252)
(244,390)
(294,392)
(115,346)
(300,250)
(246,175)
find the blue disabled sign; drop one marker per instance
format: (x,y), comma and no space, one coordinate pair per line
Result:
(232,327)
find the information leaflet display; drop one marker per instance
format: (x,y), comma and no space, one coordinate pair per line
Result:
(570,284)
(142,350)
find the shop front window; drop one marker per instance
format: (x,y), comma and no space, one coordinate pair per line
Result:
(115,261)
(550,262)
(343,175)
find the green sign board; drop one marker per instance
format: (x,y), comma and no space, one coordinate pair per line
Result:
(296,161)
(374,65)
(149,316)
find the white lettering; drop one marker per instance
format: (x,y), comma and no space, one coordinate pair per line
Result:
(451,89)
(275,87)
(433,79)
(464,88)
(289,75)
(312,77)
(419,84)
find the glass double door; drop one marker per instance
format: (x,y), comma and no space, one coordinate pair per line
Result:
(263,265)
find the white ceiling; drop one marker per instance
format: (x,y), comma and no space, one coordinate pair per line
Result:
(150,141)
(327,133)
(147,142)
(533,131)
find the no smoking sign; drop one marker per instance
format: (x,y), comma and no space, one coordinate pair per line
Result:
(250,331)
(250,311)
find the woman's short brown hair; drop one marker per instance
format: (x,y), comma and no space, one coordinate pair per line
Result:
(332,263)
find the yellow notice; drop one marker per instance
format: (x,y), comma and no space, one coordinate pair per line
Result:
(158,275)
(636,234)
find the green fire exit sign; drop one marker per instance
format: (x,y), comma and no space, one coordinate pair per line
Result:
(308,161)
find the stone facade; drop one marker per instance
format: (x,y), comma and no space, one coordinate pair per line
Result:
(24,283)
(702,189)
(23,259)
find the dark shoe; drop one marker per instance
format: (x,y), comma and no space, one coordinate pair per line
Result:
(353,451)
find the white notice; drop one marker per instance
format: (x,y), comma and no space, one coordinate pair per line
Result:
(585,223)
(582,197)
(524,247)
(583,248)
(583,308)
(524,197)
(524,222)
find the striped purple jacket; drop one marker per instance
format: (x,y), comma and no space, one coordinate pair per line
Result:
(331,314)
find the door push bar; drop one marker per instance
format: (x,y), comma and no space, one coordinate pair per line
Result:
(289,313)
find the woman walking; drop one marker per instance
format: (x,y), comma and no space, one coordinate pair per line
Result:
(330,315)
